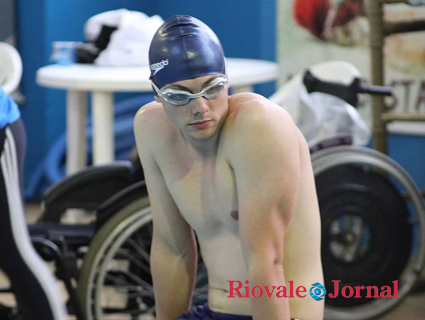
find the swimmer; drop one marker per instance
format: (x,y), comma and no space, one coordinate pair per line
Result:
(235,170)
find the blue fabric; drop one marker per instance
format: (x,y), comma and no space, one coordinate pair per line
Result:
(184,48)
(9,111)
(205,313)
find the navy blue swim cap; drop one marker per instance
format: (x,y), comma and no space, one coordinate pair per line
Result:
(184,48)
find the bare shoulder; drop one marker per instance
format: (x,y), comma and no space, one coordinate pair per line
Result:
(251,114)
(151,124)
(148,117)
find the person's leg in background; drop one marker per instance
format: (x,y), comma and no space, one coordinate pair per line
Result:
(36,291)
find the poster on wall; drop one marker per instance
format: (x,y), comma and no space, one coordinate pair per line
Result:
(314,31)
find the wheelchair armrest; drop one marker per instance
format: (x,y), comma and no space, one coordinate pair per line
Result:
(329,142)
(86,189)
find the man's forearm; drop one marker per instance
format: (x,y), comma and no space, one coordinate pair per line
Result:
(269,305)
(173,279)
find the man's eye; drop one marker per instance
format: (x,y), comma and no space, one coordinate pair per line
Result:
(214,90)
(178,96)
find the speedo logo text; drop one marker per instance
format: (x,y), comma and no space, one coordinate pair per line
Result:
(159,66)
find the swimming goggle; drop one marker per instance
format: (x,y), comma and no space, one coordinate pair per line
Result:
(180,97)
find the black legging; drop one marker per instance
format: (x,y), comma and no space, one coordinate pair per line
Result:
(32,281)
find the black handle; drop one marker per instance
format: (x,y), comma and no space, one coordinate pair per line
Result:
(348,93)
(376,90)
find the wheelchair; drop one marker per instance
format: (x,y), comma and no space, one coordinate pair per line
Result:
(112,251)
(372,212)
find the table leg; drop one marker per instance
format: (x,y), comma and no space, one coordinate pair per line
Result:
(103,127)
(240,89)
(76,158)
(76,152)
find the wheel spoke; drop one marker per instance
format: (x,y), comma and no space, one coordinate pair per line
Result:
(139,249)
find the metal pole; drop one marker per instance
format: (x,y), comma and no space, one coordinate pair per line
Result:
(376,40)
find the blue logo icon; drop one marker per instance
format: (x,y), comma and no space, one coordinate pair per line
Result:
(317,291)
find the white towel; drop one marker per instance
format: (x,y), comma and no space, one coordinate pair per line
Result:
(129,44)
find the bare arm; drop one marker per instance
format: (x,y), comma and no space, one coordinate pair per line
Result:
(173,251)
(265,159)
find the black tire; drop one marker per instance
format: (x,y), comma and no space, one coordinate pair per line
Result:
(118,259)
(367,233)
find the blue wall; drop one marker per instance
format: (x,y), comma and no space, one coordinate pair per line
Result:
(409,152)
(245,28)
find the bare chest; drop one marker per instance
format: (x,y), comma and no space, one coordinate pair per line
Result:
(205,193)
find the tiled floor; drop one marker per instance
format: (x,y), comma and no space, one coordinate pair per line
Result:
(413,308)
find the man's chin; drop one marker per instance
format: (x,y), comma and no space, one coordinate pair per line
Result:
(201,135)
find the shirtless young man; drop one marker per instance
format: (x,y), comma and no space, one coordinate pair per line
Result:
(235,170)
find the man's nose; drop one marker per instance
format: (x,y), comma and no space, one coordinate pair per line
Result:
(199,105)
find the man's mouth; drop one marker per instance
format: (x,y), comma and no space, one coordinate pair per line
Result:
(200,124)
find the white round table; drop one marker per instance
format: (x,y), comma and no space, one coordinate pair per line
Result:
(102,82)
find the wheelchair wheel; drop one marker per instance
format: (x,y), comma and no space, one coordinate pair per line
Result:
(366,230)
(115,280)
(371,236)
